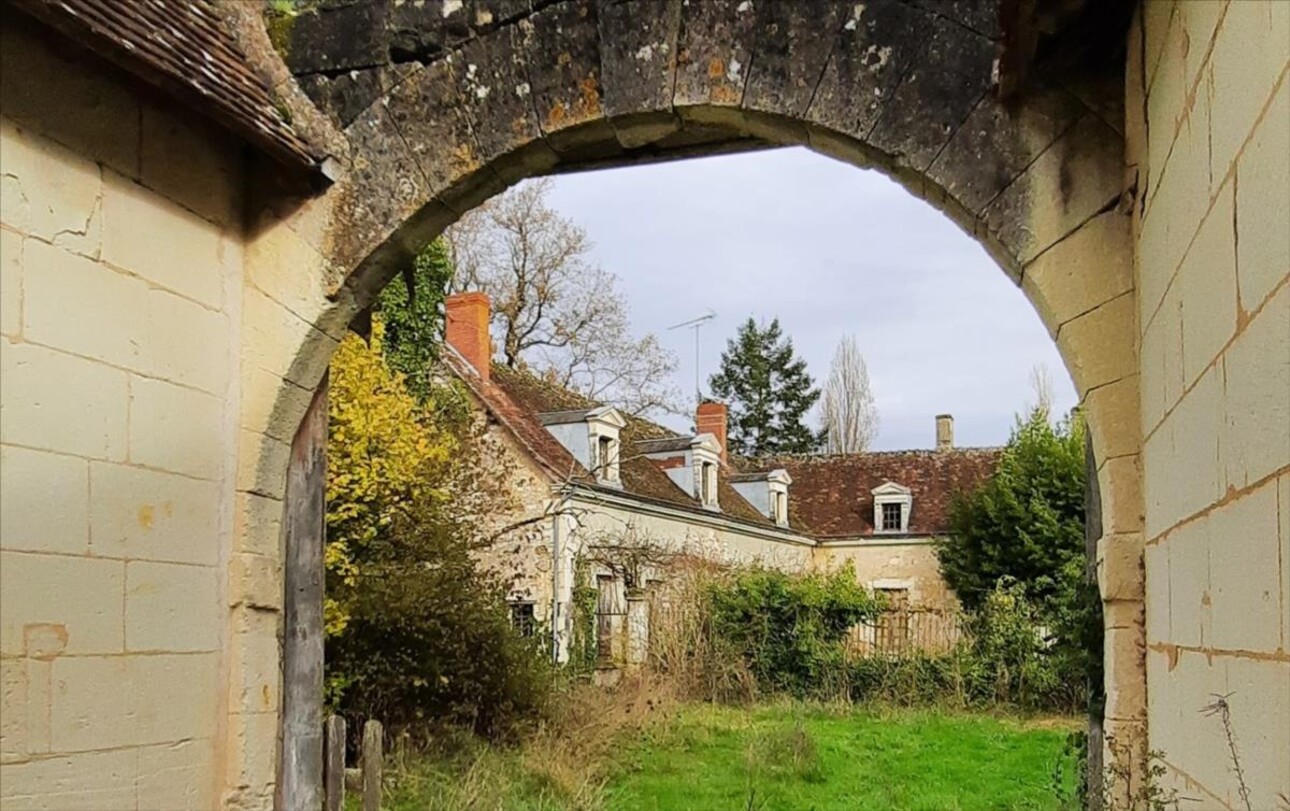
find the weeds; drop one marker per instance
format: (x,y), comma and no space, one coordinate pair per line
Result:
(1223,710)
(785,752)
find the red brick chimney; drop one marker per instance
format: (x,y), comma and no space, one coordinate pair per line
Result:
(710,418)
(468,315)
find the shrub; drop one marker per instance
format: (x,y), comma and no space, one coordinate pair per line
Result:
(417,632)
(788,628)
(1005,659)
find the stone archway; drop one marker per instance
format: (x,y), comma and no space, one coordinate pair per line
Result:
(431,108)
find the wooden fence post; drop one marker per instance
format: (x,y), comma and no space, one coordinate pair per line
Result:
(373,761)
(334,765)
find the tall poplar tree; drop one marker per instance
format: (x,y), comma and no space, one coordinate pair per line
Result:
(768,391)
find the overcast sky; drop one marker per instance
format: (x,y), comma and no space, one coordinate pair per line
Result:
(830,250)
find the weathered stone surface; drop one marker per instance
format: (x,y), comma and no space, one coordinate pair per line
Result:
(1074,179)
(422,32)
(425,109)
(714,50)
(338,35)
(346,96)
(638,54)
(791,44)
(562,48)
(998,141)
(384,187)
(496,97)
(872,52)
(934,99)
(982,16)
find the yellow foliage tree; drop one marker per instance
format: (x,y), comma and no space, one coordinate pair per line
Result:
(385,452)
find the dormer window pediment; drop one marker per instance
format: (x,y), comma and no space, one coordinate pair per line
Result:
(892,504)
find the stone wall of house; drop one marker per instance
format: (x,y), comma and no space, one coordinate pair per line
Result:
(714,539)
(1209,131)
(120,299)
(522,556)
(882,563)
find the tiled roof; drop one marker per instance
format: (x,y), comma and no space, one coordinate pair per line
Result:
(517,398)
(665,444)
(563,417)
(183,48)
(522,422)
(831,495)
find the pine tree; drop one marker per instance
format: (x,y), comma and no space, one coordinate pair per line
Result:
(768,391)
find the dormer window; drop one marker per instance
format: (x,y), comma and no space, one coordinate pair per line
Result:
(591,437)
(891,507)
(767,491)
(691,462)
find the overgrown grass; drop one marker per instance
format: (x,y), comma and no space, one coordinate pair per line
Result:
(787,757)
(782,756)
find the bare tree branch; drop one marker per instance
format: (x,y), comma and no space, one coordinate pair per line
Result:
(557,311)
(848,413)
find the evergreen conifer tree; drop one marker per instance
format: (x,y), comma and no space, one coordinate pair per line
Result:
(768,391)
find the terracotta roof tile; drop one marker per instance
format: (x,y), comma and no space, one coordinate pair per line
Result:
(183,48)
(522,422)
(831,497)
(523,396)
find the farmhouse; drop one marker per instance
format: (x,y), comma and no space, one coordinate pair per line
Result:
(611,482)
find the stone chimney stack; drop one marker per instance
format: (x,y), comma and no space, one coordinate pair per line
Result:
(944,432)
(468,315)
(710,418)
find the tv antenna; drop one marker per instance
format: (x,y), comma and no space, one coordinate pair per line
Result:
(696,324)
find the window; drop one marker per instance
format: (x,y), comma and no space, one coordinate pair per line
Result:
(607,614)
(523,619)
(779,507)
(892,517)
(604,456)
(708,483)
(891,507)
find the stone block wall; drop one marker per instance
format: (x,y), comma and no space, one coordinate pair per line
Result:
(913,562)
(1212,148)
(120,273)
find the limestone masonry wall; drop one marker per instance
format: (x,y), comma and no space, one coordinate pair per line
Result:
(1212,146)
(914,561)
(120,242)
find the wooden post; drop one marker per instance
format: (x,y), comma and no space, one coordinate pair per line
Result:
(334,765)
(373,761)
(300,787)
(1094,788)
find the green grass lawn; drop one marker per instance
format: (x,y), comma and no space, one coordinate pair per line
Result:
(787,758)
(777,757)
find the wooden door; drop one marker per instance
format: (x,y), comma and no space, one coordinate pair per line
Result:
(300,771)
